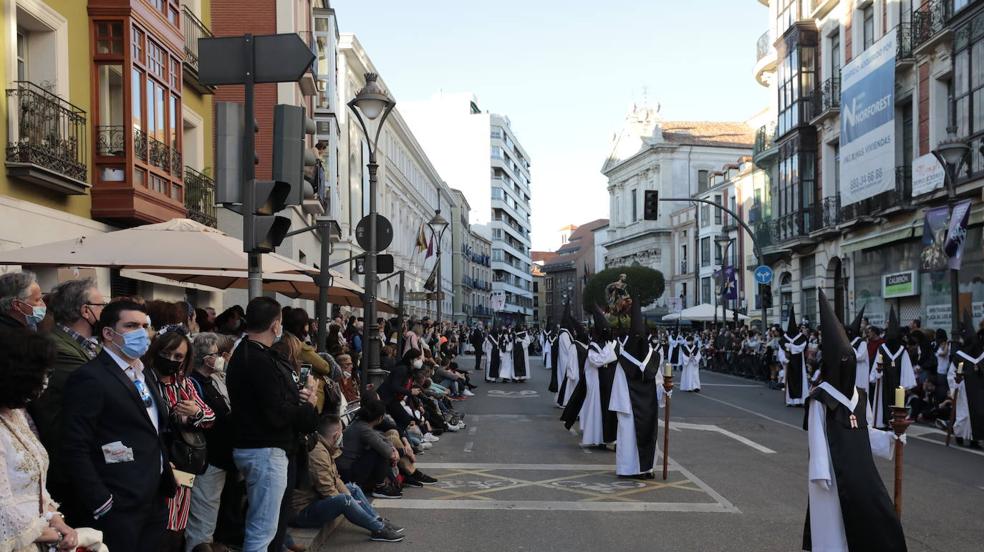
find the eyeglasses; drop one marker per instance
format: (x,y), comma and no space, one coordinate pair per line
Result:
(96,304)
(209,355)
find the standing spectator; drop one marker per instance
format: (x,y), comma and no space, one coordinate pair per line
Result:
(75,306)
(21,304)
(297,325)
(207,376)
(269,414)
(112,444)
(169,356)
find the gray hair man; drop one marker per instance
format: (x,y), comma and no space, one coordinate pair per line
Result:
(21,304)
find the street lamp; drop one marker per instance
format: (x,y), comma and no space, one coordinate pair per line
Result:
(438,225)
(724,242)
(951,153)
(371,105)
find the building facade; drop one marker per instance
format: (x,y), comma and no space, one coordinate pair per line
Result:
(570,268)
(675,158)
(814,233)
(472,265)
(478,152)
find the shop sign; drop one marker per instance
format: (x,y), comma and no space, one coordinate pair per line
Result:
(900,284)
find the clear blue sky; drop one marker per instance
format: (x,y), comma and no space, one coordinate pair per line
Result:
(566,72)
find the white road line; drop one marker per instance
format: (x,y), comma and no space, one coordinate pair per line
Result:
(729,385)
(706,427)
(743,409)
(546,467)
(469,445)
(472,430)
(723,502)
(943,443)
(556,505)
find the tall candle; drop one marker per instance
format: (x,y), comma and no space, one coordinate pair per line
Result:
(880,359)
(668,370)
(900,397)
(960,368)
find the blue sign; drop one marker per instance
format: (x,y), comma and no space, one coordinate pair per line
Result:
(763,275)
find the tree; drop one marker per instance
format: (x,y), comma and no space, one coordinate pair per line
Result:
(644,284)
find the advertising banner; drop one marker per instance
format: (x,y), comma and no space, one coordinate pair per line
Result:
(933,258)
(927,175)
(900,284)
(957,234)
(867,148)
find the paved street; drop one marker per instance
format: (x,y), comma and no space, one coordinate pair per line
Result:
(515,480)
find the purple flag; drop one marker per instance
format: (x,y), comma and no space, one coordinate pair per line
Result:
(957,234)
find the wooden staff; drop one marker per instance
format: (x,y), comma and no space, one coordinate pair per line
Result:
(899,425)
(667,387)
(953,415)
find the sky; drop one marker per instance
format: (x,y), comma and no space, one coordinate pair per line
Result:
(566,72)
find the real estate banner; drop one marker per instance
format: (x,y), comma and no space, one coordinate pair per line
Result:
(867,148)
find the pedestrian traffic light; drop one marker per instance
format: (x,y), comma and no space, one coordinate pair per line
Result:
(291,153)
(264,229)
(765,296)
(650,205)
(229,139)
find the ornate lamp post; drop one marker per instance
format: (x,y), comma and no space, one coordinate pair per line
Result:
(951,153)
(438,225)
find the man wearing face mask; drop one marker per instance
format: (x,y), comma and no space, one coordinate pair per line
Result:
(270,413)
(75,306)
(111,445)
(21,304)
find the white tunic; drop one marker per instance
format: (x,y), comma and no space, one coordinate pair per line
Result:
(907,380)
(547,350)
(564,352)
(785,359)
(487,355)
(506,361)
(525,342)
(592,432)
(626,450)
(961,419)
(826,519)
(690,371)
(862,373)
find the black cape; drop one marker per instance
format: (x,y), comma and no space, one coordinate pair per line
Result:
(642,382)
(554,349)
(494,360)
(573,408)
(973,375)
(870,522)
(889,381)
(520,370)
(794,372)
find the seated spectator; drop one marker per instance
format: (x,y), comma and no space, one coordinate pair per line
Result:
(367,458)
(29,518)
(348,383)
(325,496)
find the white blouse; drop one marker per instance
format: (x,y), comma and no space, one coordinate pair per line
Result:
(23,470)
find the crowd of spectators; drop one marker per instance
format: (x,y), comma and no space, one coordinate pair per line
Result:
(132,425)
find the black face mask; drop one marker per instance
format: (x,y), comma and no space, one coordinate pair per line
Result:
(166,366)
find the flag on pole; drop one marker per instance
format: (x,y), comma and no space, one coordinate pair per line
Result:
(430,248)
(431,283)
(421,239)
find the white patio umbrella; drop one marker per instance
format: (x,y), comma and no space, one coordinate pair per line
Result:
(177,243)
(702,313)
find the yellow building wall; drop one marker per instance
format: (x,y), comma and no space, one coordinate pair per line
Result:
(74,11)
(202,104)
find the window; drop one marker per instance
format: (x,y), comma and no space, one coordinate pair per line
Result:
(717,212)
(796,83)
(22,55)
(868,26)
(705,290)
(137,44)
(683,258)
(717,253)
(109,38)
(702,180)
(808,267)
(635,205)
(835,54)
(968,88)
(705,251)
(705,215)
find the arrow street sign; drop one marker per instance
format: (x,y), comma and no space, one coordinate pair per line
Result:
(276,58)
(763,275)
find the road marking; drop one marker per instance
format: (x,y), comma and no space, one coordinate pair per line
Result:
(469,445)
(548,505)
(707,427)
(525,394)
(472,430)
(542,467)
(743,409)
(729,385)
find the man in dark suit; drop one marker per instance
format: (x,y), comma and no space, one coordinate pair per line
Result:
(477,337)
(111,442)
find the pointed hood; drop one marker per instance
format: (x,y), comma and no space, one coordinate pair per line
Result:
(893,333)
(637,342)
(567,321)
(838,363)
(854,330)
(602,330)
(792,328)
(971,345)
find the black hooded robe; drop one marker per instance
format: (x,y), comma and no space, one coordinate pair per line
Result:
(574,404)
(494,360)
(636,403)
(554,349)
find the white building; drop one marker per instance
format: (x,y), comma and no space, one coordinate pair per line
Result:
(409,191)
(676,158)
(478,153)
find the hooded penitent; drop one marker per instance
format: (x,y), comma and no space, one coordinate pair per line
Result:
(792,328)
(893,333)
(602,330)
(838,362)
(971,345)
(854,330)
(973,378)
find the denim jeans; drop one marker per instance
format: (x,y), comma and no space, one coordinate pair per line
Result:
(355,507)
(265,471)
(204,512)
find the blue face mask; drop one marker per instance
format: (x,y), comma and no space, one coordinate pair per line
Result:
(37,315)
(135,343)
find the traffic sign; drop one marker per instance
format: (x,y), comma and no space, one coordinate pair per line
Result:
(384,233)
(763,275)
(275,58)
(384,264)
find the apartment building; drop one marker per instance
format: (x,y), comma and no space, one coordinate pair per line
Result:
(472,272)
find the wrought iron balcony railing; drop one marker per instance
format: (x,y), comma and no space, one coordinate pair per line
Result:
(827,96)
(764,45)
(111,140)
(929,20)
(200,197)
(765,138)
(826,214)
(193,30)
(46,131)
(905,37)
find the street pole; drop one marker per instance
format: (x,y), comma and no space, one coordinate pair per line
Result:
(324,282)
(369,298)
(951,198)
(254,260)
(440,286)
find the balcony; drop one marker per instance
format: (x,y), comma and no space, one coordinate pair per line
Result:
(897,199)
(193,30)
(826,99)
(684,267)
(765,146)
(903,56)
(766,58)
(826,216)
(200,197)
(46,143)
(929,23)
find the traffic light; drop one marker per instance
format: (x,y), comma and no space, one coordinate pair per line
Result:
(765,295)
(650,205)
(291,153)
(267,230)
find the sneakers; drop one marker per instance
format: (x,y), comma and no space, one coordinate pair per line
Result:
(431,438)
(411,482)
(426,445)
(422,478)
(467,393)
(453,428)
(394,528)
(387,491)
(386,535)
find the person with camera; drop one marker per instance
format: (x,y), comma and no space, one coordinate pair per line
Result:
(169,357)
